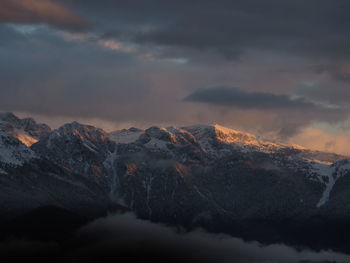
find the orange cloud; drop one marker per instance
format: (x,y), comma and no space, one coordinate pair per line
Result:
(318,139)
(39,12)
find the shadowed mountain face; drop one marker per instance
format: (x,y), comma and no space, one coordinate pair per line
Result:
(199,176)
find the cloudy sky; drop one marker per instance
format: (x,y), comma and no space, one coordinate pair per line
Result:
(280,69)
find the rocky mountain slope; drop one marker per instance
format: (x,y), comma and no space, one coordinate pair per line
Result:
(26,130)
(208,176)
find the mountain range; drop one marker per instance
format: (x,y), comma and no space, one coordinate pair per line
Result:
(208,176)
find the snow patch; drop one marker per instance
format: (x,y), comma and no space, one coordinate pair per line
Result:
(125,136)
(109,164)
(90,146)
(324,171)
(157,144)
(328,175)
(12,151)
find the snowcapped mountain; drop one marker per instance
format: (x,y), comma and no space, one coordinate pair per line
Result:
(217,140)
(189,156)
(212,137)
(26,130)
(81,149)
(202,175)
(29,180)
(125,135)
(111,158)
(13,152)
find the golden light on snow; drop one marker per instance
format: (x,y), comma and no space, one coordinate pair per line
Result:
(26,139)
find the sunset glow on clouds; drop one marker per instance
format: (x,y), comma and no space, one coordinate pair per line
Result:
(284,67)
(321,140)
(39,12)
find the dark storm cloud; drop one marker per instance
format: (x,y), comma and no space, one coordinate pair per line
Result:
(137,59)
(72,78)
(39,12)
(284,27)
(230,28)
(234,97)
(311,28)
(293,113)
(338,71)
(329,92)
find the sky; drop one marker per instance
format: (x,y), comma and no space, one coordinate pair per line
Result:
(279,69)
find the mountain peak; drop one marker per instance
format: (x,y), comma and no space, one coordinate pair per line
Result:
(222,134)
(26,130)
(234,136)
(224,129)
(8,117)
(81,131)
(13,151)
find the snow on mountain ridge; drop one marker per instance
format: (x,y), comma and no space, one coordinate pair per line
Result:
(207,136)
(29,132)
(12,151)
(82,131)
(26,130)
(125,135)
(76,130)
(99,155)
(80,148)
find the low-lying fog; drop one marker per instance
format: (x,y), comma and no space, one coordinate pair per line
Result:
(124,238)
